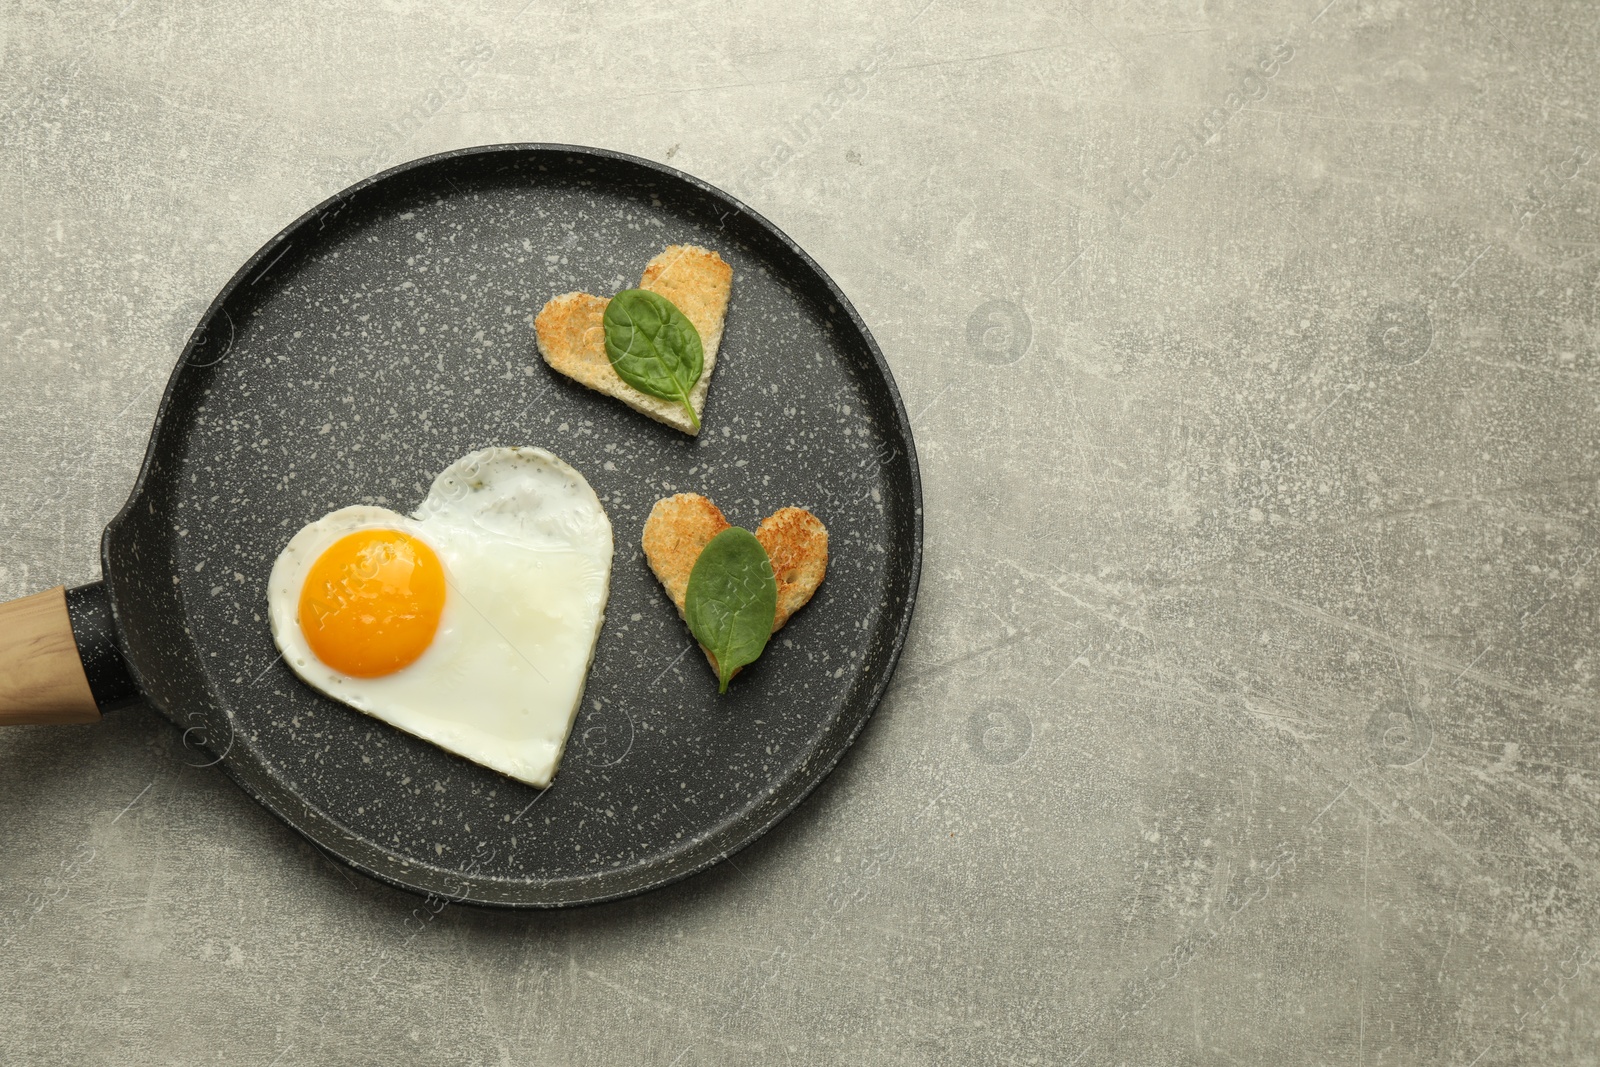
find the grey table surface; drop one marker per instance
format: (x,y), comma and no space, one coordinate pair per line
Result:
(1253,354)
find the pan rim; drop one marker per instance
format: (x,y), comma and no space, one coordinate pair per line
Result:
(816,772)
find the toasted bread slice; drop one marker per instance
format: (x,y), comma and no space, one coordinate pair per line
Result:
(571,333)
(680,527)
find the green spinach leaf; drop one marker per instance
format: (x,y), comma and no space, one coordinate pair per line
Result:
(653,347)
(732,600)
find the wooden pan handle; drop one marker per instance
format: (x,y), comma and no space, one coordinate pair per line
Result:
(42,679)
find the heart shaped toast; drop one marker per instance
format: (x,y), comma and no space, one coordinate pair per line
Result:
(572,338)
(680,527)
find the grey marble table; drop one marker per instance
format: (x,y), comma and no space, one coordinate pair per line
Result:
(1253,353)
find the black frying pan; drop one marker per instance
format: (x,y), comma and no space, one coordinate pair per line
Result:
(387,333)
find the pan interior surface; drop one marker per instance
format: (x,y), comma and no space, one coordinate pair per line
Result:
(390,333)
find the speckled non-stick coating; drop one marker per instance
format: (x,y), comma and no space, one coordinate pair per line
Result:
(390,332)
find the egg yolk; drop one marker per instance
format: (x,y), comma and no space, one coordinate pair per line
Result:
(371,602)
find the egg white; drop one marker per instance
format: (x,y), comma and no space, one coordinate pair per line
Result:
(526,549)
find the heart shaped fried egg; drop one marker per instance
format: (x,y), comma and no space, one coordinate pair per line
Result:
(471,623)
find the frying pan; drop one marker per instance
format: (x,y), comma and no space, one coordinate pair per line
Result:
(383,335)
